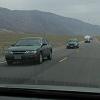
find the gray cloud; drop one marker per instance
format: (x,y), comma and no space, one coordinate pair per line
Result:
(86,10)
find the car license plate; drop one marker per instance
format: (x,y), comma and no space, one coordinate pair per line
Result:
(71,45)
(17,57)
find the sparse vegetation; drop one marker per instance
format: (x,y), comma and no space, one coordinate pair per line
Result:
(98,37)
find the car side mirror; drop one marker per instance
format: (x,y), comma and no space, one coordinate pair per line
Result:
(44,44)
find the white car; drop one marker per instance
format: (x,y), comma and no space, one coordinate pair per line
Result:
(87,39)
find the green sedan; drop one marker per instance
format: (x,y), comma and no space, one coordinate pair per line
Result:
(29,49)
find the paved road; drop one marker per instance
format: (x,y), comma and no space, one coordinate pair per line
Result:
(23,73)
(76,67)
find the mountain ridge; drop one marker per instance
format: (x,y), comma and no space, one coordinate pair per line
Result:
(35,21)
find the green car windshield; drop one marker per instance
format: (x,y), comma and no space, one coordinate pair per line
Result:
(28,42)
(72,41)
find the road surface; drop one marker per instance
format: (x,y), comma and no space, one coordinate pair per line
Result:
(71,67)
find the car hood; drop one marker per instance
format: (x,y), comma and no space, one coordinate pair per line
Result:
(23,48)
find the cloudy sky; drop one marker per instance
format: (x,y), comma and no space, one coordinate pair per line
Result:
(86,10)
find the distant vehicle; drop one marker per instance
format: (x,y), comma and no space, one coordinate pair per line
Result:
(87,39)
(72,43)
(29,49)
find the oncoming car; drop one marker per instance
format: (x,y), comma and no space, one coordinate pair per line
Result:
(29,49)
(72,43)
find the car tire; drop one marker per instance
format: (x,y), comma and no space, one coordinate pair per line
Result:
(50,56)
(77,47)
(40,60)
(9,62)
(67,47)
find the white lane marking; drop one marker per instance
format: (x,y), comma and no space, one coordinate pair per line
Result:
(2,62)
(63,59)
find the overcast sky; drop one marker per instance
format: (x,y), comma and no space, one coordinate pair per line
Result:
(86,10)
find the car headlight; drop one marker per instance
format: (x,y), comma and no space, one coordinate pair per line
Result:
(31,52)
(67,44)
(8,52)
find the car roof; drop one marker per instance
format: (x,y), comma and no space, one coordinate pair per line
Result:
(33,38)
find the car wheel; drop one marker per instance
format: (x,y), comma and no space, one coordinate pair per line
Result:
(50,56)
(40,60)
(77,47)
(67,47)
(9,62)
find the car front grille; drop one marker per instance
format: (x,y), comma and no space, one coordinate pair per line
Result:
(18,52)
(71,44)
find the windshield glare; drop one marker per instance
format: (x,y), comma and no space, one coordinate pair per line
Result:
(28,42)
(72,41)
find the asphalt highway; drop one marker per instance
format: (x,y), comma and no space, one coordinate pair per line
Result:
(71,67)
